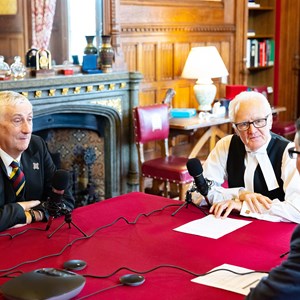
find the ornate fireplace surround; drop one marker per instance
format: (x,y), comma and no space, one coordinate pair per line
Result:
(101,104)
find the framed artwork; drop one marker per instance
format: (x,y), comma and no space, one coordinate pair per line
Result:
(8,7)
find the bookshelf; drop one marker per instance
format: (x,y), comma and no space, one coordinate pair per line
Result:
(260,46)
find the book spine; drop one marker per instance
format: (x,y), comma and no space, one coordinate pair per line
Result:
(262,53)
(255,53)
(271,52)
(248,54)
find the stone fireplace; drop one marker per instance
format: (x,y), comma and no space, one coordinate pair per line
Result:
(77,143)
(87,124)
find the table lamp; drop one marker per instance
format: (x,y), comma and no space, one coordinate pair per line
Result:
(204,63)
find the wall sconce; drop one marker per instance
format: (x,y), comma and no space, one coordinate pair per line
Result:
(203,64)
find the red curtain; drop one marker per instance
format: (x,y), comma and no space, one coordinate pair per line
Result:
(42,21)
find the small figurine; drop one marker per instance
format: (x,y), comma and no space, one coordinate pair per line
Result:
(5,71)
(18,70)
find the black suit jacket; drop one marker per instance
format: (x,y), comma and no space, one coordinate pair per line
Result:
(283,282)
(39,169)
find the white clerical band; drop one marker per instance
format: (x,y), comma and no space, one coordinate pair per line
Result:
(249,172)
(267,170)
(263,160)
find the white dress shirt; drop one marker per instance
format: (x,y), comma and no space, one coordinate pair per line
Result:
(214,169)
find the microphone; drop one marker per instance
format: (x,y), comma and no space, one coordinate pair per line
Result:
(195,170)
(54,204)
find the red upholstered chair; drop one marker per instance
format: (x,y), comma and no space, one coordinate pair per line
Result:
(284,128)
(151,123)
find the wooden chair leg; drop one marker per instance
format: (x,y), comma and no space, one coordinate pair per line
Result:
(142,184)
(174,190)
(156,188)
(182,191)
(166,189)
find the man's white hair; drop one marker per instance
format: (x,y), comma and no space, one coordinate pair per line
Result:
(248,96)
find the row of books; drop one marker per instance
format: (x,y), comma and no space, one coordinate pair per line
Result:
(260,53)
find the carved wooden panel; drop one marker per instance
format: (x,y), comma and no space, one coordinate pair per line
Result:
(166,61)
(149,57)
(130,56)
(158,35)
(181,52)
(161,64)
(12,45)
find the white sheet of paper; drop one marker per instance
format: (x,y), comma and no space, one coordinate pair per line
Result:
(225,280)
(212,227)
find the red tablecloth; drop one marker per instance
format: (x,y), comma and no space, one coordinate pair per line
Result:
(145,245)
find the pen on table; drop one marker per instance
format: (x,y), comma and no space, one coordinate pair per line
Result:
(284,254)
(246,286)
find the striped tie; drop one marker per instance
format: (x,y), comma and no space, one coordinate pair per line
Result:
(17,177)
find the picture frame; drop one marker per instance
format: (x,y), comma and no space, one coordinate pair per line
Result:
(8,7)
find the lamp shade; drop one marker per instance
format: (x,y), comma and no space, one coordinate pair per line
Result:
(204,63)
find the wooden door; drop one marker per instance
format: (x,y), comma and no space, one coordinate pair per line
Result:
(289,58)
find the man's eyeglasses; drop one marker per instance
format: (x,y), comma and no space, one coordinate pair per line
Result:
(259,123)
(293,153)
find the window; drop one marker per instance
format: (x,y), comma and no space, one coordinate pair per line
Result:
(85,19)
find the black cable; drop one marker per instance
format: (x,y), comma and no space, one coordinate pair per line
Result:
(87,237)
(155,268)
(169,266)
(22,232)
(128,222)
(44,257)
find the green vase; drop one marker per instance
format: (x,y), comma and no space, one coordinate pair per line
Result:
(90,48)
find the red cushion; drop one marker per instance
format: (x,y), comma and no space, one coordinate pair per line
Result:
(284,127)
(232,90)
(170,168)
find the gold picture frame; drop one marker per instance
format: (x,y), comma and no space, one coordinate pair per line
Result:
(8,7)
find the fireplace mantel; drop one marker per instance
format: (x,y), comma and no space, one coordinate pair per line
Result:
(110,96)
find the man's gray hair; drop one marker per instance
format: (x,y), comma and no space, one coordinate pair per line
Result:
(11,98)
(248,96)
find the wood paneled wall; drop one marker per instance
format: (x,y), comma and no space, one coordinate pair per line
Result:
(14,33)
(288,68)
(156,37)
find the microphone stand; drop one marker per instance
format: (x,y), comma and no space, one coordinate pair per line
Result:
(68,220)
(188,200)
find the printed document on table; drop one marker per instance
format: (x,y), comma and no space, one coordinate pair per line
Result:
(226,280)
(212,227)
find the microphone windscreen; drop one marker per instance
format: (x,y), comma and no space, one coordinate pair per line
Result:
(194,167)
(60,180)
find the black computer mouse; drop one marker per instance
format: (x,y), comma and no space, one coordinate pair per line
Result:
(132,279)
(74,264)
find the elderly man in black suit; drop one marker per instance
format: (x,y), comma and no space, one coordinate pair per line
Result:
(26,167)
(283,282)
